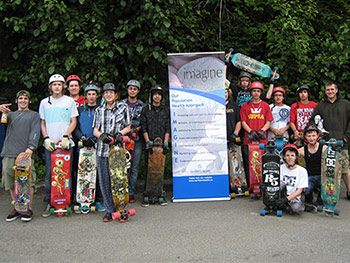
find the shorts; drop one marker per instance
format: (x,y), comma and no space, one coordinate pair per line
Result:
(8,174)
(345,161)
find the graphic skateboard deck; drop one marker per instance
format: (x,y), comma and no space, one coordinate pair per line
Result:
(86,180)
(330,176)
(271,186)
(119,162)
(60,181)
(238,182)
(255,168)
(155,173)
(22,170)
(251,65)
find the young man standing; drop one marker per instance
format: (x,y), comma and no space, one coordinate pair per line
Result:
(23,133)
(155,122)
(280,112)
(85,133)
(73,86)
(256,117)
(58,120)
(335,112)
(300,113)
(110,123)
(135,107)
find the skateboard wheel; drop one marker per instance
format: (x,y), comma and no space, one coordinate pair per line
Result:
(233,195)
(93,208)
(85,211)
(251,196)
(12,202)
(262,212)
(323,142)
(319,208)
(116,215)
(76,208)
(337,212)
(52,211)
(279,213)
(69,210)
(262,146)
(131,212)
(246,193)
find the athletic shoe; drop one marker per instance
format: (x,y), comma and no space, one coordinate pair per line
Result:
(310,208)
(107,217)
(145,203)
(12,216)
(46,212)
(27,216)
(132,199)
(100,207)
(162,201)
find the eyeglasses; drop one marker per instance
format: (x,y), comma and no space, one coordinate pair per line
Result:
(132,89)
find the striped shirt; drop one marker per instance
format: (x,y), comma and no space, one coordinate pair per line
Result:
(111,121)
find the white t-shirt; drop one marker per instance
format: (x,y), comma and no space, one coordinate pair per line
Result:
(281,118)
(294,179)
(57,115)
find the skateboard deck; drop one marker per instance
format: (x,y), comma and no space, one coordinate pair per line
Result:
(330,176)
(86,180)
(238,182)
(22,170)
(60,181)
(271,186)
(119,162)
(155,173)
(251,65)
(255,168)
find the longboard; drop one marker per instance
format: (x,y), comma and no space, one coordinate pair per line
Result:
(255,168)
(22,170)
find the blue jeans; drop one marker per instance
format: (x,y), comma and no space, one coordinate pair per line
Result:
(314,183)
(134,169)
(47,156)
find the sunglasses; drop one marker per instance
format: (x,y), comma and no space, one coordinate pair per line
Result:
(132,89)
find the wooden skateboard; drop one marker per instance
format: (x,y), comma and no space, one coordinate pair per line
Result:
(155,174)
(60,181)
(271,186)
(22,170)
(86,180)
(255,168)
(330,176)
(251,65)
(238,182)
(119,161)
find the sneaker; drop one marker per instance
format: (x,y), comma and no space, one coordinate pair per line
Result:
(162,201)
(145,203)
(12,216)
(348,195)
(100,207)
(107,217)
(309,208)
(27,216)
(132,199)
(46,212)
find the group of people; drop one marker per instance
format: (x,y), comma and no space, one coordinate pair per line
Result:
(96,121)
(249,117)
(100,121)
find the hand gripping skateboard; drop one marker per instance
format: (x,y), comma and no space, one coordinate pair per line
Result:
(251,65)
(255,167)
(60,181)
(271,186)
(119,162)
(22,170)
(86,180)
(330,176)
(238,182)
(155,174)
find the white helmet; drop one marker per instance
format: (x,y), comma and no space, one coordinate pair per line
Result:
(56,77)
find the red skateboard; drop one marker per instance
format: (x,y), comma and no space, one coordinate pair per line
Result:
(60,181)
(255,168)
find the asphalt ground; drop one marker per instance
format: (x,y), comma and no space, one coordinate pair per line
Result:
(227,231)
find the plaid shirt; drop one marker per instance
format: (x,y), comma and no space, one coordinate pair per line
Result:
(111,121)
(135,113)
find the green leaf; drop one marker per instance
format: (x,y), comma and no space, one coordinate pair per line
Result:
(88,44)
(51,70)
(16,28)
(81,2)
(43,27)
(36,32)
(15,55)
(166,24)
(139,48)
(111,54)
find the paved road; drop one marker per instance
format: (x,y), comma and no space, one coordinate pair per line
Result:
(228,231)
